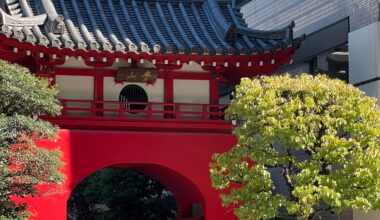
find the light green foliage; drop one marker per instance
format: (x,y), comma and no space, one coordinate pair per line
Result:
(334,125)
(22,165)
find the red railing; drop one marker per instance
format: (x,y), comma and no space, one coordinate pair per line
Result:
(140,110)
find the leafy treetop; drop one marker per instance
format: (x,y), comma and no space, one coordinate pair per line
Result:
(322,134)
(23,166)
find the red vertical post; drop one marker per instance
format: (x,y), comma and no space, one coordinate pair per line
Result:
(52,80)
(214,96)
(64,106)
(149,111)
(205,112)
(168,94)
(98,90)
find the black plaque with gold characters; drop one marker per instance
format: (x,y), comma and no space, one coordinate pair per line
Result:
(137,75)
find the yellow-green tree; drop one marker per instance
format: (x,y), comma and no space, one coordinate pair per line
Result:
(23,166)
(322,134)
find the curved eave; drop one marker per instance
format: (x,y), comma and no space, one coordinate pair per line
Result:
(232,67)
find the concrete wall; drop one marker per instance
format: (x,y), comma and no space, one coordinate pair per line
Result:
(364,48)
(309,15)
(371,215)
(364,59)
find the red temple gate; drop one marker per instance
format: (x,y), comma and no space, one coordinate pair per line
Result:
(194,46)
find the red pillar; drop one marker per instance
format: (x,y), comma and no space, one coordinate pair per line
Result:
(214,95)
(168,94)
(98,90)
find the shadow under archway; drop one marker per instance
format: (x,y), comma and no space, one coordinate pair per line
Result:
(178,198)
(119,193)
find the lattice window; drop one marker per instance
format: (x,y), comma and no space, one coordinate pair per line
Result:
(133,93)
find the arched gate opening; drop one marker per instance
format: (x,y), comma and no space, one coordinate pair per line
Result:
(121,193)
(180,161)
(156,192)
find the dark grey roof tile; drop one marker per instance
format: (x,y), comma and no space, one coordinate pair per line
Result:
(152,26)
(118,28)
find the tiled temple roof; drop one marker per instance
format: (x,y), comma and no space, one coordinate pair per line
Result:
(153,26)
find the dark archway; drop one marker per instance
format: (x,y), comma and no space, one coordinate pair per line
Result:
(120,193)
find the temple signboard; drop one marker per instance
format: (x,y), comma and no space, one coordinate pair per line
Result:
(137,75)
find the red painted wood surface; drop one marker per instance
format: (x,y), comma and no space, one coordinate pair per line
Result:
(113,115)
(238,66)
(153,110)
(168,95)
(112,73)
(179,160)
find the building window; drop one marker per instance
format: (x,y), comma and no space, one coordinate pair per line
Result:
(133,93)
(334,63)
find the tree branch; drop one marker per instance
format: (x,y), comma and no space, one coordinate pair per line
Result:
(309,151)
(288,179)
(286,172)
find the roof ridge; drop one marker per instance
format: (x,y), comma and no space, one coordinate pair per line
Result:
(285,32)
(55,20)
(226,29)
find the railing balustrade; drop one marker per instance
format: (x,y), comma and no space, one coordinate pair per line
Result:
(139,110)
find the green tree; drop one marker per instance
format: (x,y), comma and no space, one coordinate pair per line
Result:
(118,193)
(321,134)
(23,166)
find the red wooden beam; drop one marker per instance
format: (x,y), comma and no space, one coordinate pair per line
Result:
(174,126)
(112,73)
(233,67)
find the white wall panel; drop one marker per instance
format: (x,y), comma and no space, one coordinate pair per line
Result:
(192,91)
(75,87)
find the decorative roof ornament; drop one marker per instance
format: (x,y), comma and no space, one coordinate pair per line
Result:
(56,25)
(10,20)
